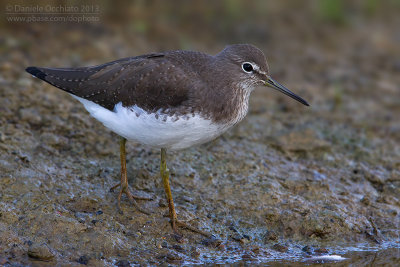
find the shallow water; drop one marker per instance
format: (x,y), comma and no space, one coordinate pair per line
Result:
(360,256)
(384,255)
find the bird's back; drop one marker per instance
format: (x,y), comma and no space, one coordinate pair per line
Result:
(153,82)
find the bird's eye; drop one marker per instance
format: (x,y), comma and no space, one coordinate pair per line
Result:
(247,67)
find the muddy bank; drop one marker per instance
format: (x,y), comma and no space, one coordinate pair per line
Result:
(287,182)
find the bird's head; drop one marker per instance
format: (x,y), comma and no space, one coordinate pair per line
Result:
(250,67)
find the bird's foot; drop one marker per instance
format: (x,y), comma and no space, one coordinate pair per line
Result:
(175,223)
(182,224)
(125,190)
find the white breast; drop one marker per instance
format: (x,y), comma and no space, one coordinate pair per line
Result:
(155,129)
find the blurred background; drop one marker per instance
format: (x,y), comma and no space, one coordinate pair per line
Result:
(328,172)
(330,51)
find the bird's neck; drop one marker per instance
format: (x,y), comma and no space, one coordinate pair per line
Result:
(227,105)
(227,102)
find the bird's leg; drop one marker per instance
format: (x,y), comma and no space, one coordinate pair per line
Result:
(172,214)
(165,177)
(124,181)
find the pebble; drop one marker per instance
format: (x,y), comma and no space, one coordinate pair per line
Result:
(270,236)
(178,248)
(30,115)
(173,257)
(280,248)
(247,257)
(83,260)
(40,252)
(255,249)
(195,253)
(211,242)
(240,238)
(162,203)
(307,249)
(321,251)
(123,263)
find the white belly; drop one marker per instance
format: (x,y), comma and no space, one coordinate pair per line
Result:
(155,130)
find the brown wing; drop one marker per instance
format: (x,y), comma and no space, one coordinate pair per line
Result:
(151,81)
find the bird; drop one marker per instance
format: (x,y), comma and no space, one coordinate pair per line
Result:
(167,100)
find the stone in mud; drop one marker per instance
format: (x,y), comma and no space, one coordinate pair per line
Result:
(280,248)
(173,258)
(83,260)
(123,263)
(211,242)
(194,252)
(40,252)
(270,236)
(302,143)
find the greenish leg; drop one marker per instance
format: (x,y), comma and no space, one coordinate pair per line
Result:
(165,177)
(124,181)
(172,214)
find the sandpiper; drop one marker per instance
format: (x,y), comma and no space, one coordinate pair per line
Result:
(171,100)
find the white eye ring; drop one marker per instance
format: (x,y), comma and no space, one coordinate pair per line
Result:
(247,67)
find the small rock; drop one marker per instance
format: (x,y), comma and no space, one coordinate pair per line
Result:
(240,238)
(30,115)
(321,251)
(280,248)
(221,247)
(164,244)
(123,263)
(195,253)
(307,249)
(211,241)
(247,257)
(50,139)
(143,174)
(173,257)
(255,249)
(272,216)
(40,252)
(83,260)
(81,217)
(162,203)
(246,236)
(161,256)
(232,228)
(178,248)
(83,205)
(179,238)
(366,201)
(270,236)
(2,137)
(24,157)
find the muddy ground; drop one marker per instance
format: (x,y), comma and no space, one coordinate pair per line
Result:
(287,183)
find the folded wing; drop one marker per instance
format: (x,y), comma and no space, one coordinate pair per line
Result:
(152,82)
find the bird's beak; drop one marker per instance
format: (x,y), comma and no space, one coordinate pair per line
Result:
(273,84)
